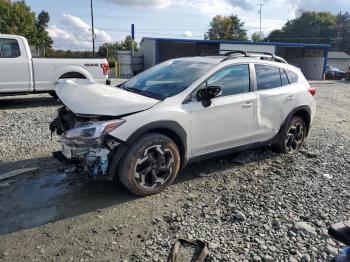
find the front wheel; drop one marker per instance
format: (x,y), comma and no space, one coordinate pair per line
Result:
(150,165)
(293,138)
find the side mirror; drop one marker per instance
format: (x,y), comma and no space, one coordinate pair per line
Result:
(207,94)
(214,91)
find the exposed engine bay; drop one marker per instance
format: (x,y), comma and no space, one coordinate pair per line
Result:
(85,140)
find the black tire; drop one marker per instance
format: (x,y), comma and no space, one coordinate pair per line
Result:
(150,165)
(293,138)
(53,94)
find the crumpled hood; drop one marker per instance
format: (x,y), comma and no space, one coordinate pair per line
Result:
(82,96)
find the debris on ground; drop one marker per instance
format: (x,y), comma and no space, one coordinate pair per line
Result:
(18,172)
(6,183)
(188,250)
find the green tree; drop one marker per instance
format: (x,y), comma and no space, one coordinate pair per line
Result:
(43,40)
(17,18)
(127,43)
(256,37)
(342,41)
(108,50)
(310,27)
(226,28)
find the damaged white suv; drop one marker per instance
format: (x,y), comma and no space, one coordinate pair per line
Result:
(145,130)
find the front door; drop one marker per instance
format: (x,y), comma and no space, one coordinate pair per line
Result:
(15,75)
(228,121)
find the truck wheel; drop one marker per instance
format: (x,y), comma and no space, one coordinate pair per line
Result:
(53,94)
(294,137)
(151,164)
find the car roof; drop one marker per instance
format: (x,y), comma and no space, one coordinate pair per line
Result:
(215,60)
(202,59)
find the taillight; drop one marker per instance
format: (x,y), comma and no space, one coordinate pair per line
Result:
(312,90)
(105,68)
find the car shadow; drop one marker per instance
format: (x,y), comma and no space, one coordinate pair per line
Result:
(21,102)
(53,194)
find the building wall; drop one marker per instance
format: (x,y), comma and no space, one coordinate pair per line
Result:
(148,48)
(248,47)
(342,64)
(312,67)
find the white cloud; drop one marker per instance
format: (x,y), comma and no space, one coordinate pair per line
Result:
(75,34)
(142,3)
(187,34)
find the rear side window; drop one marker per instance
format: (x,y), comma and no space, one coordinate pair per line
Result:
(284,77)
(9,48)
(267,77)
(293,77)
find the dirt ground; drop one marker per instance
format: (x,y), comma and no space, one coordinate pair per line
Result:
(54,215)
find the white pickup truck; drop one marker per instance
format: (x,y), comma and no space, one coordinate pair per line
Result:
(20,73)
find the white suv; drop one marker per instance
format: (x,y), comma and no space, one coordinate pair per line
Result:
(182,110)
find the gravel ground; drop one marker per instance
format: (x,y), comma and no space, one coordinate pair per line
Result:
(255,206)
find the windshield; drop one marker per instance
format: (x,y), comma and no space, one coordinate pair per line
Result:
(167,79)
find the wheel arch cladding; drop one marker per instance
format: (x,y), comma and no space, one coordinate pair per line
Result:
(171,129)
(72,75)
(304,113)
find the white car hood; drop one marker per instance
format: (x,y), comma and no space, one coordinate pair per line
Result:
(82,96)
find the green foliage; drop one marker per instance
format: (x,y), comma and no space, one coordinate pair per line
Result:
(343,28)
(256,37)
(310,27)
(127,44)
(226,28)
(69,53)
(109,50)
(111,63)
(17,18)
(316,27)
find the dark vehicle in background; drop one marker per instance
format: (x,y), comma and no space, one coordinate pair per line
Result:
(333,73)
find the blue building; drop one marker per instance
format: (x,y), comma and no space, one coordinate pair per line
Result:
(311,58)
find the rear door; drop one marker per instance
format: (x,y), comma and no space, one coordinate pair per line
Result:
(15,74)
(277,96)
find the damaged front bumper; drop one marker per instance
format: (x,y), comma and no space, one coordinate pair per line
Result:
(93,161)
(87,143)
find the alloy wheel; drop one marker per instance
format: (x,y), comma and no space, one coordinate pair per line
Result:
(294,138)
(154,167)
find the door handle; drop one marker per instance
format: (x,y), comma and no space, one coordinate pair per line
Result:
(248,105)
(290,98)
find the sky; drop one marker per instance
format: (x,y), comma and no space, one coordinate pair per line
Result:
(70,25)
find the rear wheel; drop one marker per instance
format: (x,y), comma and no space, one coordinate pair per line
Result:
(293,138)
(150,165)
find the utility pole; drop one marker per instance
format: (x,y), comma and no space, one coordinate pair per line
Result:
(260,21)
(92,30)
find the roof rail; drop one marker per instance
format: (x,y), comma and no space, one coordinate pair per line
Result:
(233,55)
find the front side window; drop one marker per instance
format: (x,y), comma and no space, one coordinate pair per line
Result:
(267,77)
(9,48)
(167,79)
(232,80)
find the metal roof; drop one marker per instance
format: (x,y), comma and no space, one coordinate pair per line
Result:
(338,55)
(322,46)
